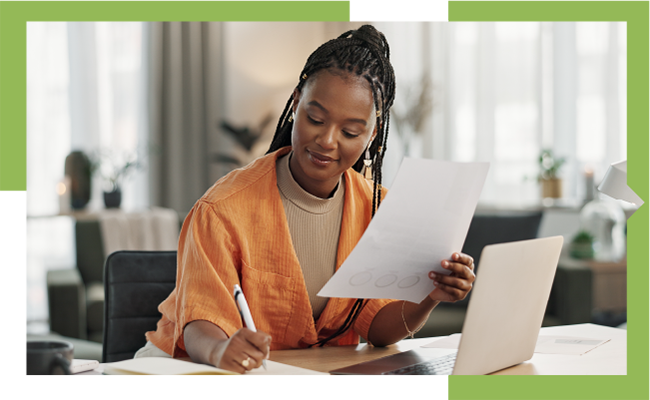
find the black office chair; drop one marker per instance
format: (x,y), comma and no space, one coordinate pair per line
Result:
(485,229)
(135,283)
(499,228)
(496,228)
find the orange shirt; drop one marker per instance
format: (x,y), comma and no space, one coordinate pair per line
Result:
(237,233)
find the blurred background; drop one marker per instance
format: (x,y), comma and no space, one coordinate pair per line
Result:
(129,123)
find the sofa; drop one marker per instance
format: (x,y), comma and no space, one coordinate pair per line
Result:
(76,296)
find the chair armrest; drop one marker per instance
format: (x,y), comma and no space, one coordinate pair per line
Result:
(67,303)
(95,310)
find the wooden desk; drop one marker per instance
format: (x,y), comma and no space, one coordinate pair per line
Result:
(607,359)
(325,359)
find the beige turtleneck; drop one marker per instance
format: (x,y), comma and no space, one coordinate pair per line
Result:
(315,226)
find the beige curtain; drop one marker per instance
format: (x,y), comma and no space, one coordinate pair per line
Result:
(185,87)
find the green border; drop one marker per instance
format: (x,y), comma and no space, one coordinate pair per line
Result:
(635,384)
(14,15)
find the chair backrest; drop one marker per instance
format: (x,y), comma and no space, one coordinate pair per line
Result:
(135,283)
(500,228)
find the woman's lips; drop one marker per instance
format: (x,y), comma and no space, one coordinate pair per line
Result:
(320,159)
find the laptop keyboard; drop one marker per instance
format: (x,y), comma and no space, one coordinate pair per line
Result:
(437,366)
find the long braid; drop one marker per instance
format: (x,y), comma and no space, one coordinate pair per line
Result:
(365,53)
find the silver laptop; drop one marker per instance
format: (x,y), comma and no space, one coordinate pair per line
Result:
(503,319)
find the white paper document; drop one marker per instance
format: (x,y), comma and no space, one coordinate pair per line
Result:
(569,345)
(445,342)
(422,221)
(566,345)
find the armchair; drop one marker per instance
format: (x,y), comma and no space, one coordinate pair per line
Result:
(76,296)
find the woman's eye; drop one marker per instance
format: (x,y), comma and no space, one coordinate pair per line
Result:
(316,122)
(350,135)
(313,121)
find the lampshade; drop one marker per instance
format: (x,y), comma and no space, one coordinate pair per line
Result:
(614,184)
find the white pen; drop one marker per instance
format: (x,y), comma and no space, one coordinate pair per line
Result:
(245,312)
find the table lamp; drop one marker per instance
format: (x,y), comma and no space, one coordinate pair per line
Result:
(614,184)
(604,218)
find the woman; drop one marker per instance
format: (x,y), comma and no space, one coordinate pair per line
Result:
(280,226)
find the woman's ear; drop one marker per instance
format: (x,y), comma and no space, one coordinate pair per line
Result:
(296,99)
(372,137)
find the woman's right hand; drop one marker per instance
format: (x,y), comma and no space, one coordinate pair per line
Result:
(206,343)
(243,351)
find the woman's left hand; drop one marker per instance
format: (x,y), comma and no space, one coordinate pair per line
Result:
(453,287)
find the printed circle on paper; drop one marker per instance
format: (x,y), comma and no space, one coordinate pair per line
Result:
(386,280)
(408,282)
(361,278)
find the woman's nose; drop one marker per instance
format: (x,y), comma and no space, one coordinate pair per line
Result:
(327,139)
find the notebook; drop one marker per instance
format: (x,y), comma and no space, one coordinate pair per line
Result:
(504,315)
(171,366)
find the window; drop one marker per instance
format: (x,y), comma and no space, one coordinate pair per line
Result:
(506,90)
(84,92)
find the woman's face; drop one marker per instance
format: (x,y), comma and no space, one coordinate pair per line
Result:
(334,122)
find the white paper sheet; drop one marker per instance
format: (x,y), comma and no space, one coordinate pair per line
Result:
(422,221)
(566,345)
(545,344)
(446,342)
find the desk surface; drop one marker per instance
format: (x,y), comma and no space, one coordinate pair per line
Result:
(607,359)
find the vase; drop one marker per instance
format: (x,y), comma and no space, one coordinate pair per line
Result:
(77,167)
(113,199)
(552,188)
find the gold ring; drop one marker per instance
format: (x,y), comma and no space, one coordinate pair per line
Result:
(246,362)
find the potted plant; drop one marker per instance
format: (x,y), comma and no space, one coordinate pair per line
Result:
(246,139)
(417,108)
(582,245)
(114,166)
(549,166)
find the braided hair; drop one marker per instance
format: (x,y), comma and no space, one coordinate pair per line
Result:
(365,53)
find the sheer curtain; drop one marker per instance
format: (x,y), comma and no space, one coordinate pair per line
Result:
(503,91)
(84,92)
